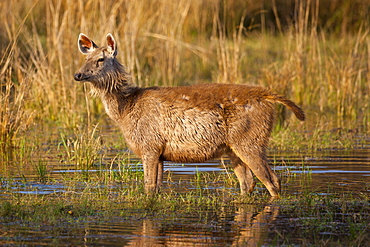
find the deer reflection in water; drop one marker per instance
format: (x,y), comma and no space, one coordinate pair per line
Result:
(246,226)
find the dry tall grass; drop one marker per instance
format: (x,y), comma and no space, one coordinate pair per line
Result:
(323,66)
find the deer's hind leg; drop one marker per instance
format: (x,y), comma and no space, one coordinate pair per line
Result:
(243,173)
(257,162)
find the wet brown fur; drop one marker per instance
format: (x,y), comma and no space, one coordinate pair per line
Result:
(187,124)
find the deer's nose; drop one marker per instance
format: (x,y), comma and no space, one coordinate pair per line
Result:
(78,76)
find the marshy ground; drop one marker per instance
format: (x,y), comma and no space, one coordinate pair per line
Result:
(53,199)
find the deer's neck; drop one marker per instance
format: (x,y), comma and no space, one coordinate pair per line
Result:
(116,101)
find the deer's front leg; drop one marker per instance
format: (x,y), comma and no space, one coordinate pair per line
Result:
(153,173)
(160,175)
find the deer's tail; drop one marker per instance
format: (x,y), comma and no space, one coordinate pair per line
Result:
(298,112)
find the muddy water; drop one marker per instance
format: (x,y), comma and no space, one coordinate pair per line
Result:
(322,173)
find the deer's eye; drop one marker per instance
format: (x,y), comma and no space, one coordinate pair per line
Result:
(100,60)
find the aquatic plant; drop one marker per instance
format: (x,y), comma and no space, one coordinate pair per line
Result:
(82,150)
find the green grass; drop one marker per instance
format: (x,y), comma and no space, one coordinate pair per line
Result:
(338,216)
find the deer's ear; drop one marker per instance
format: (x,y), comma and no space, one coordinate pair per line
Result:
(112,45)
(86,45)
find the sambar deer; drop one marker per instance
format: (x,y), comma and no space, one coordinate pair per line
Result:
(188,123)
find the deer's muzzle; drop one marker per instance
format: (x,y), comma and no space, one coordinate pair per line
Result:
(80,77)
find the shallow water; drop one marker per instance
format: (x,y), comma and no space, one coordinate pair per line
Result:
(322,173)
(338,170)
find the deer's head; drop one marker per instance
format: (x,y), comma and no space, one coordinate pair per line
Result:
(101,63)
